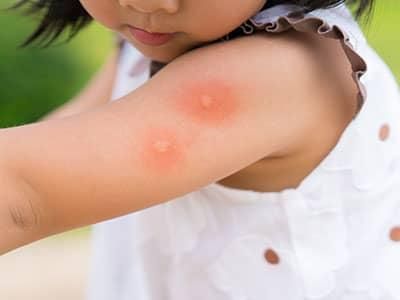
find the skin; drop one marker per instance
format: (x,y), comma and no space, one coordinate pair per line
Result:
(162,150)
(190,19)
(210,102)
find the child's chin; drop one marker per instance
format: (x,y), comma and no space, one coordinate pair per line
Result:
(157,53)
(163,53)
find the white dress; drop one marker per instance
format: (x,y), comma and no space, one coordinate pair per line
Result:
(334,237)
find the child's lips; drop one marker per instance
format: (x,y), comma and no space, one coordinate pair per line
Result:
(150,38)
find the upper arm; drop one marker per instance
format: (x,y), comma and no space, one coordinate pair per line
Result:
(206,115)
(97,91)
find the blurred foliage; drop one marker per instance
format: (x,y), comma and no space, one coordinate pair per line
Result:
(383,32)
(34,81)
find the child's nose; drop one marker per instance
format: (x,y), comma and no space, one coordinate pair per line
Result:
(150,6)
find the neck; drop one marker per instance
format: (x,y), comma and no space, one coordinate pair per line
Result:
(156,66)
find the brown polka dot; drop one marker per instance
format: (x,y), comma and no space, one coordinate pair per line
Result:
(384,132)
(271,256)
(395,234)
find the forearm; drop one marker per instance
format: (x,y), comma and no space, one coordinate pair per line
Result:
(55,159)
(22,217)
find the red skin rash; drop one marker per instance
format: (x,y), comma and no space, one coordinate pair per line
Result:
(211,102)
(161,150)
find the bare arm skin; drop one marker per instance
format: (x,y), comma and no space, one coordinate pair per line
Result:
(204,116)
(17,196)
(97,92)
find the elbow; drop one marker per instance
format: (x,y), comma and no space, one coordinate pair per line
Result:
(23,216)
(21,220)
(23,207)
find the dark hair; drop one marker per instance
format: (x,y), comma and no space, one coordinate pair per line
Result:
(59,16)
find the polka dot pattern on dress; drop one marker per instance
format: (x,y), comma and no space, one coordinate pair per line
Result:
(271,256)
(384,132)
(395,234)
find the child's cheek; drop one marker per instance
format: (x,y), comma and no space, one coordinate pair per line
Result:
(211,103)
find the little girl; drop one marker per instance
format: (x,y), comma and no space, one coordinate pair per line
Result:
(251,151)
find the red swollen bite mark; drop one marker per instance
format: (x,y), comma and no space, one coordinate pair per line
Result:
(211,102)
(161,150)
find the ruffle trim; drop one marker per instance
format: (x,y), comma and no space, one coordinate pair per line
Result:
(298,20)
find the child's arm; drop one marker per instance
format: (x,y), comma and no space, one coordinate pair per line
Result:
(13,223)
(98,91)
(204,116)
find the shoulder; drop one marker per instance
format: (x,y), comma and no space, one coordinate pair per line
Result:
(300,77)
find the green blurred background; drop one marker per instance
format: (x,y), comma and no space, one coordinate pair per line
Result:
(34,81)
